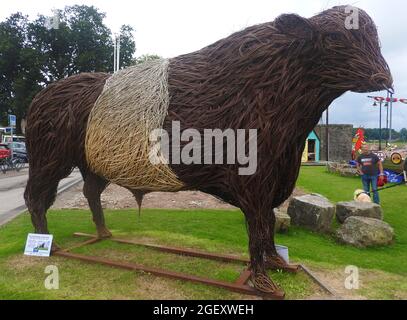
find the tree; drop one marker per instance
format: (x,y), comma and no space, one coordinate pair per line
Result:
(144,58)
(91,39)
(56,47)
(127,46)
(403,134)
(19,68)
(31,55)
(372,134)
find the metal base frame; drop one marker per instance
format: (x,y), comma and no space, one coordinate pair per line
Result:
(240,285)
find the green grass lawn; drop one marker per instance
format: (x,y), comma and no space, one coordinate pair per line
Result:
(394,203)
(391,261)
(212,230)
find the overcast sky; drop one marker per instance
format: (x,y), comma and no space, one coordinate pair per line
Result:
(173,27)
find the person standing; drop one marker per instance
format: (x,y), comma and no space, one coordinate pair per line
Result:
(370,166)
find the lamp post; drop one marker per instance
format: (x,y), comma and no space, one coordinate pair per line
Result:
(391,115)
(116,53)
(387,121)
(327,135)
(380,126)
(380,100)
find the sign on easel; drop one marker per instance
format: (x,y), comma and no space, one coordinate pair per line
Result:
(38,245)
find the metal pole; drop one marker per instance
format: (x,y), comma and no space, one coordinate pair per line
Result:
(12,140)
(380,127)
(118,53)
(327,135)
(391,116)
(114,54)
(387,121)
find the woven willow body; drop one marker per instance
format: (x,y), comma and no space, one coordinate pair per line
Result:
(134,102)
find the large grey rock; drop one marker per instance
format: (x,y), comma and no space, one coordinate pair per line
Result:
(283,220)
(342,169)
(333,167)
(312,211)
(348,172)
(345,210)
(365,232)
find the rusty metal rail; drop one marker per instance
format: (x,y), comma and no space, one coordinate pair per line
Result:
(175,250)
(240,285)
(318,281)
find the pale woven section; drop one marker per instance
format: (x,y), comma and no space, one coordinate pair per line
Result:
(134,102)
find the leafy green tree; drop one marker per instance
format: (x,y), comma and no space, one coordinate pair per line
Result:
(91,39)
(403,134)
(20,68)
(127,46)
(144,58)
(56,47)
(372,134)
(31,55)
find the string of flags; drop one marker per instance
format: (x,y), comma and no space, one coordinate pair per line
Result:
(382,99)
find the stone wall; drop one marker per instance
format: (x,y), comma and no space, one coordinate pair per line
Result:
(340,141)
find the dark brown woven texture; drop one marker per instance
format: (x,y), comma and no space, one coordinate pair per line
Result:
(276,77)
(57,120)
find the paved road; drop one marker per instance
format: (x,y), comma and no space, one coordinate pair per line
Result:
(12,190)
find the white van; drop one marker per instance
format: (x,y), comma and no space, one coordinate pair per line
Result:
(7,139)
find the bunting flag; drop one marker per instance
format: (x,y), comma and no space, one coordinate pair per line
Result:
(394,100)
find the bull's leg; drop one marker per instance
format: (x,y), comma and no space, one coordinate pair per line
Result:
(40,194)
(92,189)
(259,244)
(39,197)
(273,260)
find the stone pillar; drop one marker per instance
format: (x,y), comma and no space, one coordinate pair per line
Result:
(340,141)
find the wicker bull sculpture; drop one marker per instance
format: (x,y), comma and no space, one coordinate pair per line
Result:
(276,77)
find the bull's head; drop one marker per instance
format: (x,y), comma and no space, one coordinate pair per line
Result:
(349,58)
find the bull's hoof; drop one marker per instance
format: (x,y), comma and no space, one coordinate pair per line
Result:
(278,263)
(55,247)
(104,233)
(266,287)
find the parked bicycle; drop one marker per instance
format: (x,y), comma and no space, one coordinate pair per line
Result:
(8,164)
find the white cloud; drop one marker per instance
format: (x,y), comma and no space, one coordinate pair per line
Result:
(170,28)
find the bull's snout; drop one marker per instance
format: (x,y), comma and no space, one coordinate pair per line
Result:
(381,81)
(378,81)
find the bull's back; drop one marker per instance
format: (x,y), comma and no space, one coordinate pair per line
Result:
(57,120)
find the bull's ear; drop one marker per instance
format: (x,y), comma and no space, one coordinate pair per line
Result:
(295,25)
